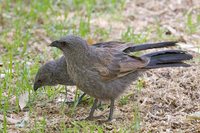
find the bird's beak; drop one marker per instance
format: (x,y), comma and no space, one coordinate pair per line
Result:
(55,44)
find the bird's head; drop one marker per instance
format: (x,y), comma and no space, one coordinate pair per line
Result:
(70,43)
(44,76)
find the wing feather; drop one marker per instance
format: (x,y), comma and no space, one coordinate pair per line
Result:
(113,63)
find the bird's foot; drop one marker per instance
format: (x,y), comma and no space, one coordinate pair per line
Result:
(89,118)
(93,117)
(105,121)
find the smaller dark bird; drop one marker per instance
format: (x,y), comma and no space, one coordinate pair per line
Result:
(105,73)
(53,73)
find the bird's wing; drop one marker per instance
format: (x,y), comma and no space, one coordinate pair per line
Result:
(113,45)
(109,44)
(113,63)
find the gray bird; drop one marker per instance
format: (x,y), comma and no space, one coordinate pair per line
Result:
(104,73)
(55,72)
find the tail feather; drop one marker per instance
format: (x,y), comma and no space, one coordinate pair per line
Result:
(149,46)
(167,58)
(181,64)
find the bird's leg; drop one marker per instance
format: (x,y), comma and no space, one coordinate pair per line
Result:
(94,106)
(99,105)
(112,103)
(66,92)
(81,97)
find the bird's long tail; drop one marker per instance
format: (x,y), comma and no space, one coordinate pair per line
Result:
(149,46)
(167,58)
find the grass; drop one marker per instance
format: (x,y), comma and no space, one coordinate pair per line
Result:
(192,23)
(130,36)
(27,28)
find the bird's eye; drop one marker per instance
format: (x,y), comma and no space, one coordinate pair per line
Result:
(39,80)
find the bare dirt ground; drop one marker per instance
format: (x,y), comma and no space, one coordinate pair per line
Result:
(171,94)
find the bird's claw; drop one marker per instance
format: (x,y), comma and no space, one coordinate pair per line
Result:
(93,117)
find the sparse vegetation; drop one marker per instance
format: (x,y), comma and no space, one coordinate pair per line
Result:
(27,28)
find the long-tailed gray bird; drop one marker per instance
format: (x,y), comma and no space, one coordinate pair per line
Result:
(105,73)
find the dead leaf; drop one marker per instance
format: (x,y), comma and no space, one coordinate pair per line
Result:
(23,99)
